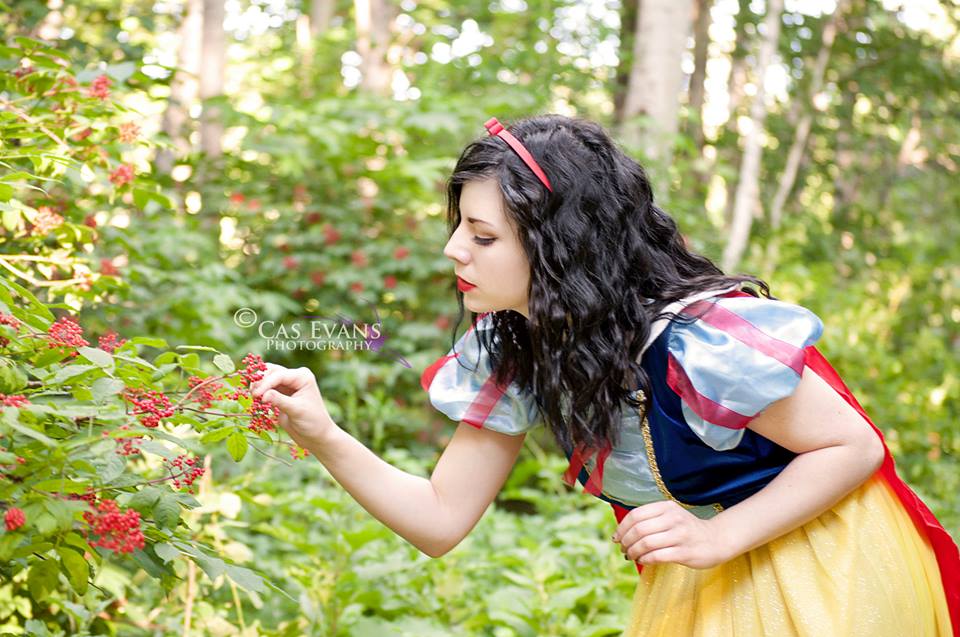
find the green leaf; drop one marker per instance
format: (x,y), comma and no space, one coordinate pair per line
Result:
(167,511)
(35,306)
(198,348)
(111,468)
(245,578)
(42,578)
(165,551)
(224,363)
(237,445)
(96,356)
(145,499)
(75,568)
(149,341)
(9,419)
(103,388)
(216,435)
(57,485)
(12,380)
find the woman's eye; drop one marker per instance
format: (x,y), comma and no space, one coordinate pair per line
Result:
(483,241)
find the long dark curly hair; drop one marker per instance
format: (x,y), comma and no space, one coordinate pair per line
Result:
(604,262)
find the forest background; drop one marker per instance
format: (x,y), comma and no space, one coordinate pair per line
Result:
(168,167)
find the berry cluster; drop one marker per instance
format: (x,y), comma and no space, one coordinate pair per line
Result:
(45,221)
(151,405)
(110,341)
(14,518)
(100,87)
(206,390)
(66,332)
(263,416)
(122,175)
(129,132)
(253,369)
(90,497)
(13,400)
(7,319)
(186,471)
(298,453)
(106,265)
(116,530)
(127,446)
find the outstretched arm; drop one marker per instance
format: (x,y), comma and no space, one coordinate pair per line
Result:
(432,514)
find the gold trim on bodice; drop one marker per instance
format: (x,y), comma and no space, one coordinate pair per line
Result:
(655,469)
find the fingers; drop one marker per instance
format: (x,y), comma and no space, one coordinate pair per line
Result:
(641,513)
(643,529)
(651,543)
(278,377)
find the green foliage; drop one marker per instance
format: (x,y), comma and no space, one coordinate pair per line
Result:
(328,201)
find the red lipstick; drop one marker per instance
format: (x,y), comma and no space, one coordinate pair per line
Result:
(464,286)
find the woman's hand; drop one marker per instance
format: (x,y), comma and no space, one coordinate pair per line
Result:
(302,412)
(666,532)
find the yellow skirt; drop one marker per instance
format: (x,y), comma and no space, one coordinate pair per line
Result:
(860,568)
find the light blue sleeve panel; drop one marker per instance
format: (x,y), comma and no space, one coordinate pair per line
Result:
(741,355)
(461,386)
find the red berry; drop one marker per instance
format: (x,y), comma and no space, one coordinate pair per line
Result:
(318,278)
(107,268)
(357,287)
(117,531)
(109,342)
(290,263)
(14,518)
(66,332)
(100,87)
(122,175)
(331,235)
(442,322)
(389,281)
(401,253)
(359,258)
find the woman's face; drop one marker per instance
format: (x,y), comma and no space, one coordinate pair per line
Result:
(486,252)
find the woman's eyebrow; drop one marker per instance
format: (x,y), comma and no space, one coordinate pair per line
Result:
(475,220)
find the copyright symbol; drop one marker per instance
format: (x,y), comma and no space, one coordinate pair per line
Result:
(245,317)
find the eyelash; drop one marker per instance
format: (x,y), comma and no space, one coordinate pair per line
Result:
(482,241)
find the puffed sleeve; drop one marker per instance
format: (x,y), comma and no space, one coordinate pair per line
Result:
(461,386)
(741,355)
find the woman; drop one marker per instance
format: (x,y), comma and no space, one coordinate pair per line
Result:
(743,474)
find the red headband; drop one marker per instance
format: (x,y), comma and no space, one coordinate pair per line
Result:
(496,128)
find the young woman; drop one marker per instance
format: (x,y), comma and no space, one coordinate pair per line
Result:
(749,486)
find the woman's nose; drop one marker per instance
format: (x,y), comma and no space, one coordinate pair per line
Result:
(454,251)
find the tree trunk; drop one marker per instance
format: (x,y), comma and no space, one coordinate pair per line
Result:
(797,148)
(321,13)
(701,42)
(748,188)
(373,39)
(183,87)
(738,60)
(213,61)
(628,34)
(656,77)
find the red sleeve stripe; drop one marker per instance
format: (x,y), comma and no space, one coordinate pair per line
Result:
(426,379)
(748,334)
(483,404)
(704,407)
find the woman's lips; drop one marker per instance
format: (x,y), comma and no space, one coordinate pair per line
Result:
(464,286)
